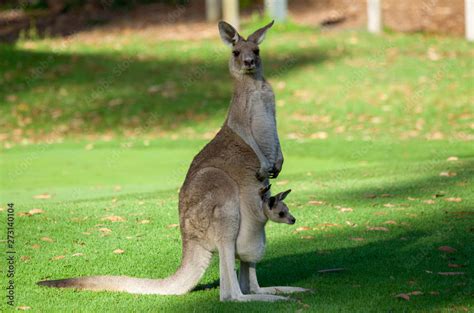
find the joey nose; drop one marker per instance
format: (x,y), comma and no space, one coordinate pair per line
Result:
(249,62)
(293,220)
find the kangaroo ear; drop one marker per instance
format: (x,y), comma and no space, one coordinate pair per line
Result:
(228,34)
(258,36)
(282,195)
(264,190)
(271,202)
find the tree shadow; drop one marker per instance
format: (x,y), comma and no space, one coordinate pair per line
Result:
(97,92)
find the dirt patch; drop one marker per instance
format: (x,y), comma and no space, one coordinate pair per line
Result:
(433,16)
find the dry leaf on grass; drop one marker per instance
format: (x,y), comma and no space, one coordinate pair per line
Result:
(303,228)
(389,205)
(105,230)
(31,212)
(448,174)
(113,218)
(390,222)
(42,196)
(35,246)
(78,254)
(332,270)
(452,265)
(453,199)
(25,258)
(282,182)
(452,158)
(24,307)
(346,210)
(58,257)
(316,202)
(450,273)
(172,225)
(357,238)
(144,222)
(447,249)
(429,201)
(307,237)
(403,296)
(119,251)
(47,239)
(377,228)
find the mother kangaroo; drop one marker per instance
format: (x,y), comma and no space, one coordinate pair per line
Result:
(222,185)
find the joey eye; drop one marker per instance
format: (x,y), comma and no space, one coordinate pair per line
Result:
(236,53)
(256,51)
(281,214)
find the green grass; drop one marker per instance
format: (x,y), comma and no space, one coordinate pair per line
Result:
(388,113)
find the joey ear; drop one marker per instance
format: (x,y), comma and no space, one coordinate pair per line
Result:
(271,202)
(264,190)
(258,36)
(282,195)
(228,34)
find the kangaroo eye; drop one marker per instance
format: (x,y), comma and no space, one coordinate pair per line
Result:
(236,53)
(281,214)
(256,51)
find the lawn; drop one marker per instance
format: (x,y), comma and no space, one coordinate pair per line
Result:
(377,133)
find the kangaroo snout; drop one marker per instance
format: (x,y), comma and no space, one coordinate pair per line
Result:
(249,62)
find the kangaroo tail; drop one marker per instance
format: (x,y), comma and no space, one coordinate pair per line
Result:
(194,263)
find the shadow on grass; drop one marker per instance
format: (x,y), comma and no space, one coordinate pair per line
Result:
(97,92)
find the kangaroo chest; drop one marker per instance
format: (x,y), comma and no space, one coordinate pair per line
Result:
(250,246)
(262,113)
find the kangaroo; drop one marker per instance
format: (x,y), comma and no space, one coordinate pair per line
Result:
(222,183)
(251,242)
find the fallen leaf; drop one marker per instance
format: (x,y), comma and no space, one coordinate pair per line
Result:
(316,202)
(303,228)
(403,296)
(172,225)
(332,270)
(42,196)
(389,205)
(78,254)
(386,195)
(118,188)
(113,218)
(119,251)
(35,246)
(351,224)
(282,182)
(453,199)
(105,230)
(447,249)
(452,158)
(370,196)
(380,213)
(35,211)
(307,237)
(58,257)
(23,307)
(452,265)
(346,210)
(377,228)
(47,239)
(357,238)
(412,199)
(89,146)
(416,293)
(429,201)
(25,258)
(144,222)
(450,273)
(448,174)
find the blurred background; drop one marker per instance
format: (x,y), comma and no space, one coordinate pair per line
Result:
(105,68)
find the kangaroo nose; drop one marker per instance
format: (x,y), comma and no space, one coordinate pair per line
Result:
(249,62)
(293,220)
